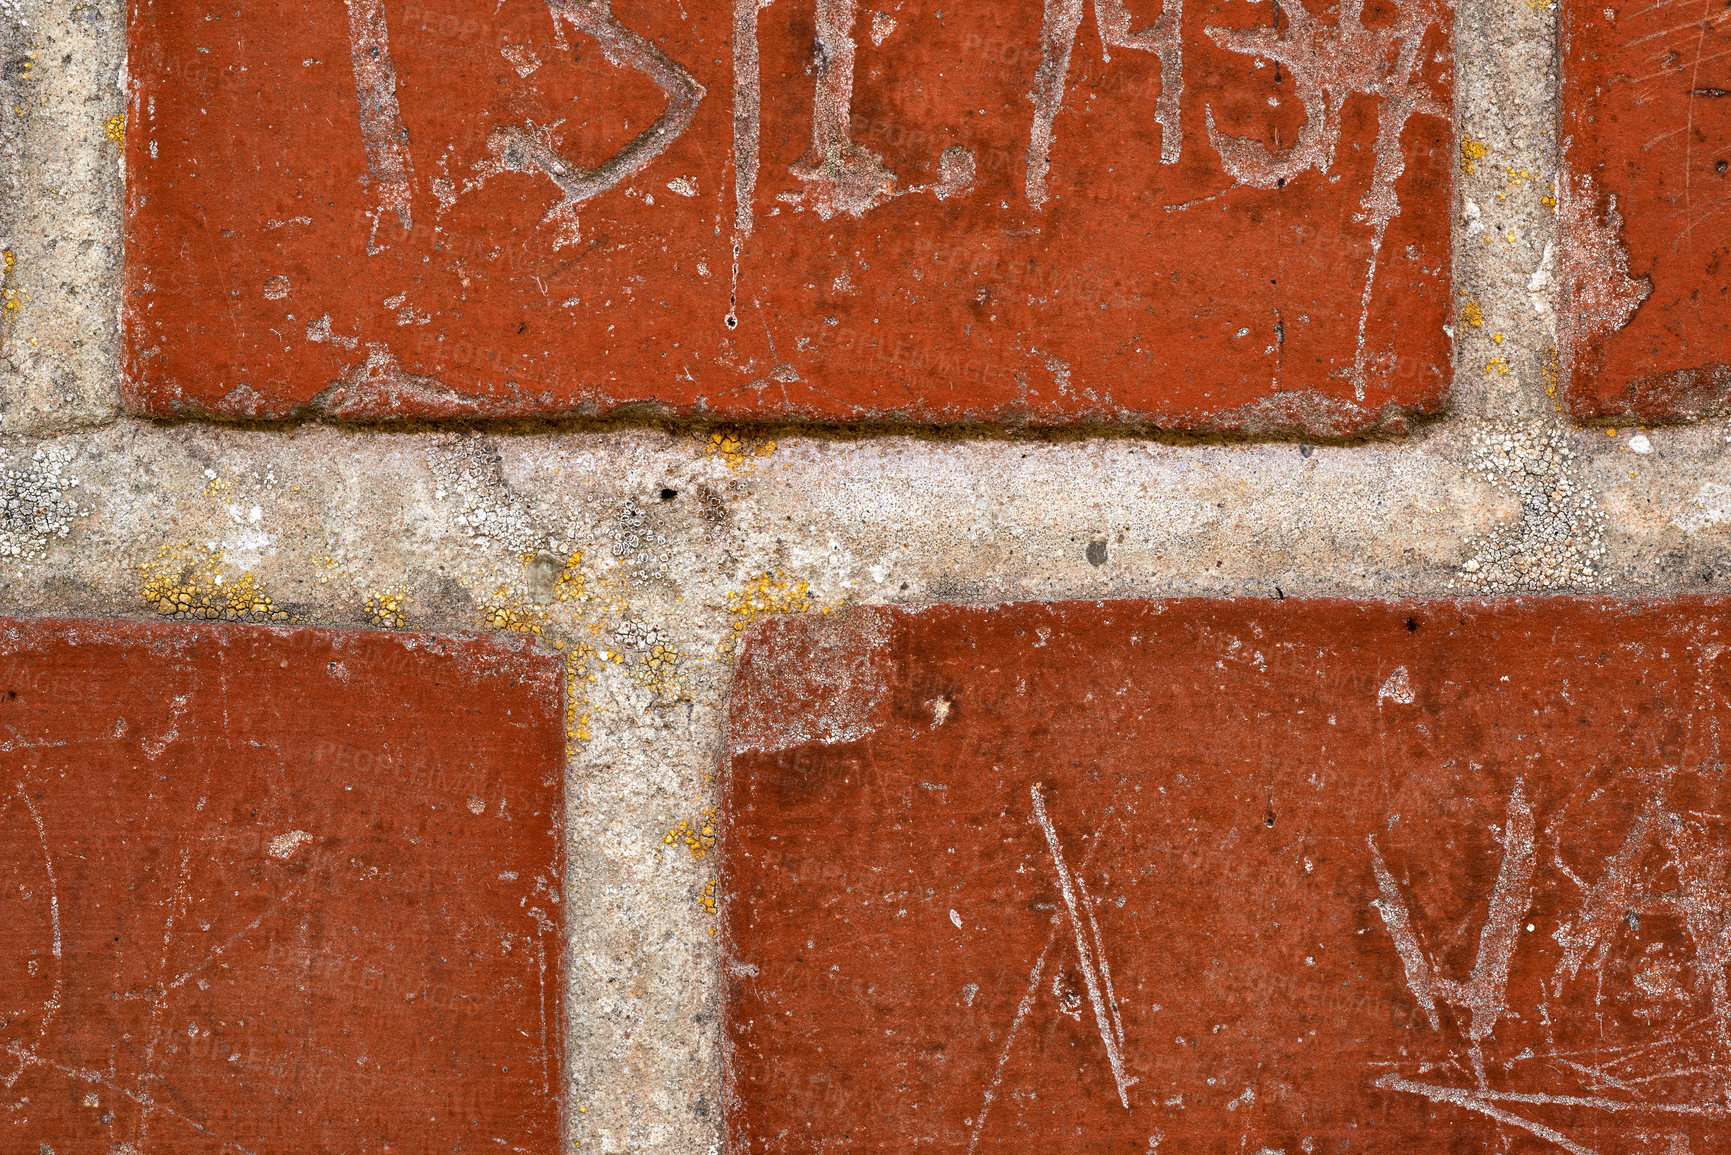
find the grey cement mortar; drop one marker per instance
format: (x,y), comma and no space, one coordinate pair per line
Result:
(60,185)
(1503,496)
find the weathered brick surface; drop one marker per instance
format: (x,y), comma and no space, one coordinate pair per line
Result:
(1230,875)
(973,212)
(278,890)
(1645,320)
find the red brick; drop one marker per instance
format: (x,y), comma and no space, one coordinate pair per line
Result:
(1645,327)
(352,215)
(1317,877)
(277,890)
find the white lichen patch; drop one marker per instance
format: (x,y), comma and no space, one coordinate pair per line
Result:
(37,504)
(1557,539)
(468,472)
(655,661)
(637,546)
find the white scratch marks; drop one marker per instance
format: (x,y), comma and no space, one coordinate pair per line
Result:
(546,1045)
(747,111)
(1398,919)
(1706,23)
(216,952)
(1111,1030)
(844,177)
(1606,901)
(153,747)
(389,166)
(1481,1103)
(1485,994)
(1022,1009)
(1113,1035)
(1161,38)
(177,903)
(142,1098)
(1330,64)
(1057,40)
(51,1007)
(1058,29)
(1544,1099)
(1105,967)
(531,148)
(1666,865)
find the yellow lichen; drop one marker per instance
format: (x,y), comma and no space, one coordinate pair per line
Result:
(658,672)
(577,679)
(1472,151)
(571,584)
(388,608)
(736,448)
(761,597)
(1472,314)
(507,611)
(1553,370)
(1498,366)
(186,581)
(11,300)
(114,128)
(697,835)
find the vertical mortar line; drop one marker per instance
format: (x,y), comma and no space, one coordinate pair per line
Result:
(1461,402)
(1523,446)
(13,45)
(1507,96)
(1548,153)
(59,350)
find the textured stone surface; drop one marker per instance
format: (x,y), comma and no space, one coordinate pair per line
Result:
(60,132)
(1201,875)
(270,890)
(1203,221)
(1645,193)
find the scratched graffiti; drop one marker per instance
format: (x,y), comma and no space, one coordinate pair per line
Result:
(1648,931)
(1219,216)
(1091,959)
(516,149)
(1202,875)
(1328,62)
(389,165)
(229,951)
